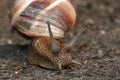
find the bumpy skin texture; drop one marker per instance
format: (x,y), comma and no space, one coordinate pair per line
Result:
(41,54)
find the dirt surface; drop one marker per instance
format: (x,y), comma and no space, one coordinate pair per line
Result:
(97,49)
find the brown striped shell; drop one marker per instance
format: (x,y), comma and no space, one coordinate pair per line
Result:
(30,17)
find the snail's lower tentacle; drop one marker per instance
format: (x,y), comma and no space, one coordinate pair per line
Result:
(76,62)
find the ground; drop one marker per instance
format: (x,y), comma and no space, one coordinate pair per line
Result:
(97,49)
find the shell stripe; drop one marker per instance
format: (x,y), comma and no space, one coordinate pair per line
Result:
(22,4)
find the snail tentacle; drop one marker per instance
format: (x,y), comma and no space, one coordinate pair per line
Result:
(76,62)
(55,47)
(72,42)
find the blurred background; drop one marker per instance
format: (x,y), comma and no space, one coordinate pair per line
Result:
(98,48)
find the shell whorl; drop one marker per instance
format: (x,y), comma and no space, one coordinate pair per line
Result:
(30,17)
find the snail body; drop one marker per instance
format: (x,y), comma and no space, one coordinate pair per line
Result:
(45,21)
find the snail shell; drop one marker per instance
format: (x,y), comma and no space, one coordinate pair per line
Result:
(30,16)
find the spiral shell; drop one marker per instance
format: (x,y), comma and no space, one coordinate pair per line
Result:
(30,16)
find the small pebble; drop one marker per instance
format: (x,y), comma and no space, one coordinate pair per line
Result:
(16,72)
(103,32)
(9,41)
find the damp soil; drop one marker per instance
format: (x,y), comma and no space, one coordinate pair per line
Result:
(97,49)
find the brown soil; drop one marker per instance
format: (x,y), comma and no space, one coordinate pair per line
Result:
(98,48)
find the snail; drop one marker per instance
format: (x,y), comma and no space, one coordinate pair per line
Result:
(45,22)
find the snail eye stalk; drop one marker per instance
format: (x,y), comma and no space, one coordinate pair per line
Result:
(55,47)
(72,42)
